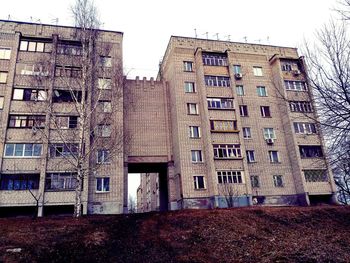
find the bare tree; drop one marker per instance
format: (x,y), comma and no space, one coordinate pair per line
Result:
(230,192)
(329,75)
(88,83)
(131,205)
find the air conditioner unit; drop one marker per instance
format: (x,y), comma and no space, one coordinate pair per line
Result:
(238,75)
(269,141)
(296,72)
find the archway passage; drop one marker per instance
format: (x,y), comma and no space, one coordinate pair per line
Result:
(155,187)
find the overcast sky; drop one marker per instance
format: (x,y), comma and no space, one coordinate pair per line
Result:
(148,25)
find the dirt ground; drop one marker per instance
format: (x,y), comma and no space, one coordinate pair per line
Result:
(286,234)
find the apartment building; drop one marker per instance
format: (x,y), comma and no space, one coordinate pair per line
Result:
(148,193)
(242,124)
(40,88)
(221,119)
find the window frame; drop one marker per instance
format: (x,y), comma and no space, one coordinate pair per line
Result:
(243,111)
(258,71)
(240,90)
(247,132)
(259,89)
(104,181)
(189,108)
(255,181)
(197,183)
(195,130)
(274,156)
(5,53)
(230,177)
(263,111)
(188,66)
(250,154)
(196,156)
(189,87)
(227,151)
(278,181)
(3,77)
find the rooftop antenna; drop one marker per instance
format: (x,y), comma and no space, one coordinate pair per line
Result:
(55,21)
(268,39)
(228,37)
(245,39)
(9,17)
(217,36)
(258,40)
(195,32)
(206,33)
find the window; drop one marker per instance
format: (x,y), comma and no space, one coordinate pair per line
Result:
(27,121)
(104,83)
(106,106)
(295,85)
(223,126)
(257,71)
(3,77)
(214,59)
(269,133)
(188,66)
(31,70)
(106,61)
(5,53)
(102,184)
(254,179)
(60,181)
(198,182)
(69,49)
(192,109)
(250,156)
(315,176)
(18,150)
(195,132)
(227,151)
(261,90)
(220,103)
(1,102)
(66,122)
(304,127)
(189,87)
(66,96)
(237,69)
(240,90)
(274,158)
(104,130)
(286,66)
(308,151)
(247,134)
(300,106)
(29,94)
(217,81)
(68,71)
(196,156)
(278,181)
(63,150)
(35,46)
(103,156)
(243,110)
(10,182)
(265,111)
(230,177)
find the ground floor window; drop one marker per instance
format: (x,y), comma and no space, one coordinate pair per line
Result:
(102,184)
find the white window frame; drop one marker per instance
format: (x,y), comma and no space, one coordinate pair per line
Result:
(230,177)
(103,156)
(269,133)
(237,69)
(198,156)
(274,157)
(257,71)
(189,87)
(247,132)
(196,182)
(192,109)
(105,130)
(250,156)
(240,90)
(103,184)
(229,151)
(14,145)
(278,180)
(259,90)
(263,111)
(188,66)
(305,128)
(193,130)
(3,77)
(104,83)
(5,53)
(2,99)
(242,112)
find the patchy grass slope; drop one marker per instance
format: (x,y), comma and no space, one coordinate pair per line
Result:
(292,234)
